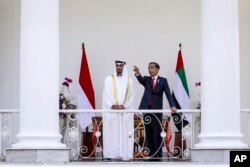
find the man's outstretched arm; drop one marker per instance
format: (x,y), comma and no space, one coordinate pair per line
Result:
(138,76)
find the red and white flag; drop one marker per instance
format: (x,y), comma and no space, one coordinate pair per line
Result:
(85,93)
(168,137)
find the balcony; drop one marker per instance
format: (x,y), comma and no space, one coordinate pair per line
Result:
(84,149)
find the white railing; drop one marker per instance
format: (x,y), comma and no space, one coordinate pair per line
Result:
(9,126)
(69,128)
(82,146)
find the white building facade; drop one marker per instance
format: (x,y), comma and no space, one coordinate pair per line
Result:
(41,44)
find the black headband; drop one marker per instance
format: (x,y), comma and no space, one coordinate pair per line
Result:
(119,62)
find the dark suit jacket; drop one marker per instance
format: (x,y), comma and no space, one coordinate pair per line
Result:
(154,97)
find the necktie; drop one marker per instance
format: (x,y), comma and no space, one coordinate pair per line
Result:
(153,82)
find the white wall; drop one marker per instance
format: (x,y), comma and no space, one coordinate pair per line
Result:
(137,31)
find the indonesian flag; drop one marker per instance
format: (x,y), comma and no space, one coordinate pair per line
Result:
(85,93)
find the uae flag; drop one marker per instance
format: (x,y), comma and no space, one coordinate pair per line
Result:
(181,94)
(85,93)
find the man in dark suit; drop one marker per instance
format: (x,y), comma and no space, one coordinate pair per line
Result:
(152,98)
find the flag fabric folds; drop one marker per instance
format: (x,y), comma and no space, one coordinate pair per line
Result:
(180,94)
(85,92)
(168,136)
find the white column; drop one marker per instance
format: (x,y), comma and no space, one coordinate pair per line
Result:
(39,75)
(220,124)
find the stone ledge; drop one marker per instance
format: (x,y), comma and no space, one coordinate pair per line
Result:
(213,155)
(14,155)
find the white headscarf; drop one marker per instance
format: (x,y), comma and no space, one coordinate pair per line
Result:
(124,81)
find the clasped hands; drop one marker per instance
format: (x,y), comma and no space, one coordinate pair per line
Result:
(118,107)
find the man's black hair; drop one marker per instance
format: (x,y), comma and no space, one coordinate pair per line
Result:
(156,64)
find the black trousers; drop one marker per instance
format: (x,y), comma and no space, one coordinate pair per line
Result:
(153,129)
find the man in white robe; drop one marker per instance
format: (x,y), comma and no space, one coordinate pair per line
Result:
(118,128)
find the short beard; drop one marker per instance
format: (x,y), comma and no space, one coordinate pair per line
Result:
(119,74)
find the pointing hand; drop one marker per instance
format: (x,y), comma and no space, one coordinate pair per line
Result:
(136,70)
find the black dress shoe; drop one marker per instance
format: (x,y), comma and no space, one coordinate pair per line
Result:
(159,155)
(106,159)
(152,159)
